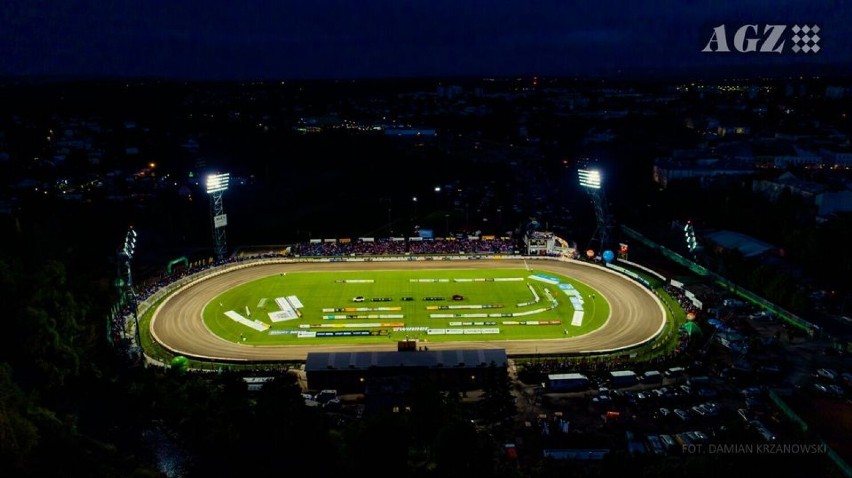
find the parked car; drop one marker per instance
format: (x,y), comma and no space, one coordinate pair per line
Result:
(683,439)
(697,436)
(835,390)
(761,430)
(712,408)
(752,392)
(668,442)
(827,373)
(656,445)
(820,388)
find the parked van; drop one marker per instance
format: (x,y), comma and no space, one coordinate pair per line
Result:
(674,372)
(622,378)
(652,376)
(567,382)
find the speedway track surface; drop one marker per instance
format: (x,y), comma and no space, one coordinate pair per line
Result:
(636,315)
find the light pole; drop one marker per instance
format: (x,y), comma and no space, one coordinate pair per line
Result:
(217,184)
(590,180)
(125,255)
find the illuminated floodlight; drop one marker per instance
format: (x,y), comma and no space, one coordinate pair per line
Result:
(689,235)
(130,243)
(217,182)
(590,178)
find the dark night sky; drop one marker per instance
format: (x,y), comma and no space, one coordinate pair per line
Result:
(248,39)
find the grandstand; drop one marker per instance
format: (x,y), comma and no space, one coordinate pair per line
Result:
(399,246)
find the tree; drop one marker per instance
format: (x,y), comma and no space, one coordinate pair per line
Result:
(497,404)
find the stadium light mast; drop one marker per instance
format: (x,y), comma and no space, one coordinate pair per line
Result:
(125,256)
(689,236)
(592,181)
(217,184)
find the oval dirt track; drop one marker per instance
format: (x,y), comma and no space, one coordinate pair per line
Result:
(636,315)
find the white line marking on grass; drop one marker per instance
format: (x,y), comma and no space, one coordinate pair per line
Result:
(255,324)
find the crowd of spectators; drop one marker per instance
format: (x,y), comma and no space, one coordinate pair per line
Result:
(405,247)
(680,296)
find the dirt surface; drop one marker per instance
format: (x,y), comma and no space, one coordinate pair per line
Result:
(635,313)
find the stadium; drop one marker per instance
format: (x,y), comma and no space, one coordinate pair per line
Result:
(532,295)
(255,307)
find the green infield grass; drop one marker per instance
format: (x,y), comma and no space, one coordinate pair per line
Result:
(378,306)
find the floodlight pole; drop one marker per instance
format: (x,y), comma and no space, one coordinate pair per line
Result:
(219,240)
(590,180)
(125,256)
(217,184)
(601,234)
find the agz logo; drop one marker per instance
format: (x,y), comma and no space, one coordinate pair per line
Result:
(768,39)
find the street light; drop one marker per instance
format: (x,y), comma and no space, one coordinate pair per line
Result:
(217,184)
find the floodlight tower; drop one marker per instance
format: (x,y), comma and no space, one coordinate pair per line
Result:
(217,184)
(591,181)
(125,256)
(691,242)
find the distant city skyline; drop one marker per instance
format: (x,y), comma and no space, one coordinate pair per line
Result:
(221,40)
